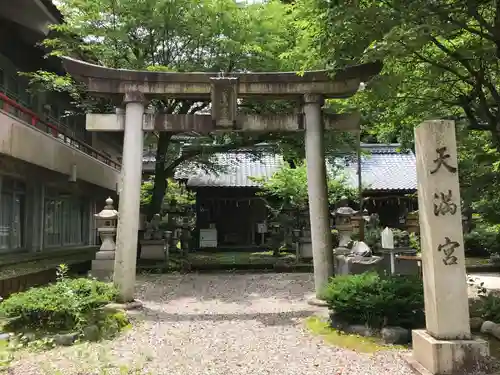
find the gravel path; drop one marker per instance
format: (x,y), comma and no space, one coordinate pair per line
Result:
(216,324)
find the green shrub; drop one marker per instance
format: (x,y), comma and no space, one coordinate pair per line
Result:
(488,307)
(415,242)
(487,303)
(113,323)
(482,240)
(65,305)
(376,301)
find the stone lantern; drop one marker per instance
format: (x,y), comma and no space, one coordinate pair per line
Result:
(106,222)
(343,224)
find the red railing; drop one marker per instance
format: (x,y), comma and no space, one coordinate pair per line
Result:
(26,115)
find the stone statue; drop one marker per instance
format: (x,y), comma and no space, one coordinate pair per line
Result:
(153,229)
(157,233)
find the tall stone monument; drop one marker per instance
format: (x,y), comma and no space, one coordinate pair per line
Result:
(134,89)
(446,345)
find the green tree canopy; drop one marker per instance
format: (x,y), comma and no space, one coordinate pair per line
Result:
(287,188)
(440,58)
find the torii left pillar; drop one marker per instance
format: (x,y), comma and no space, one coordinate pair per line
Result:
(318,192)
(129,206)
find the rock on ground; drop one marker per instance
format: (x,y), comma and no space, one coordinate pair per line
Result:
(219,324)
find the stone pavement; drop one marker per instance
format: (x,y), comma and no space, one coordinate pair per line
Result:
(220,324)
(491,279)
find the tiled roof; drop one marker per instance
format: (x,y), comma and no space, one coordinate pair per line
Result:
(383,168)
(237,168)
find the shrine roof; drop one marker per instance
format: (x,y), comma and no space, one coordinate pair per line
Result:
(384,167)
(197,85)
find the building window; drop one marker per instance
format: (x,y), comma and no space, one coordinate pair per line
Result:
(12,215)
(64,221)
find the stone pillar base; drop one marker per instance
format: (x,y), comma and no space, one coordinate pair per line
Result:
(153,249)
(314,301)
(442,357)
(102,269)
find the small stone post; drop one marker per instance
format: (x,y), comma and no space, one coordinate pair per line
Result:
(446,345)
(296,242)
(387,239)
(128,223)
(168,238)
(321,236)
(103,265)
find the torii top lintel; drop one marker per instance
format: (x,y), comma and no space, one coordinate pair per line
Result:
(107,81)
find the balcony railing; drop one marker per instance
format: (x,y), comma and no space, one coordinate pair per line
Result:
(59,131)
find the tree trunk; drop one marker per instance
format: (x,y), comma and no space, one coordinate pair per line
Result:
(160,180)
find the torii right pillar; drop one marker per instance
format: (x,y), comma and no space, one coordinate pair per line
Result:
(321,236)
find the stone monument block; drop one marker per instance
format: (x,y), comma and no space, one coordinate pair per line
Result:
(446,345)
(355,264)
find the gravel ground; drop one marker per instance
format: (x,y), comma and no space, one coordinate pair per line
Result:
(216,324)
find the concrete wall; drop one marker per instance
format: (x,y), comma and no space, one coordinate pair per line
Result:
(31,14)
(101,143)
(24,142)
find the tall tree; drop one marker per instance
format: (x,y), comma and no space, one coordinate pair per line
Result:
(440,58)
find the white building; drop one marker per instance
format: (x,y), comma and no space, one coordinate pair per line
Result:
(53,174)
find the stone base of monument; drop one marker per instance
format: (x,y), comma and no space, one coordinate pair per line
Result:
(402,266)
(153,249)
(443,357)
(353,265)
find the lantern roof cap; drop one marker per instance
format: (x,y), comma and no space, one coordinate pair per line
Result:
(345,211)
(108,212)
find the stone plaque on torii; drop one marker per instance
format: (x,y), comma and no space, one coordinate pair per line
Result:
(136,88)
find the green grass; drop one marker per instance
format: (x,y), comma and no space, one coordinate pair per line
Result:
(356,343)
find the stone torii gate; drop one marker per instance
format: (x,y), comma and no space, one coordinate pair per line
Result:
(135,88)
